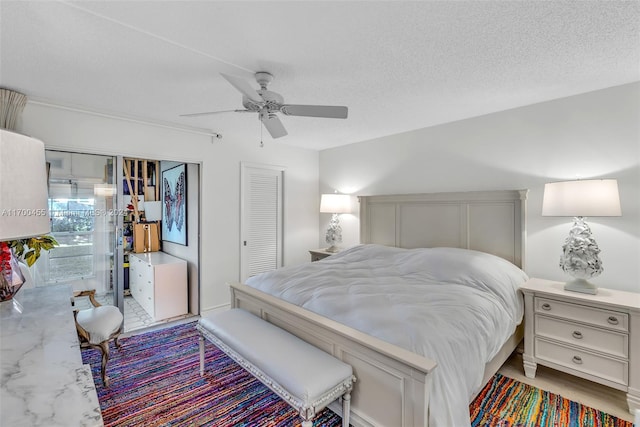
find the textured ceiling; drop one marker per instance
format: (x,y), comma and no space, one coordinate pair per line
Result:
(397,65)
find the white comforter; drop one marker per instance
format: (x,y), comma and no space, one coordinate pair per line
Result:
(454,306)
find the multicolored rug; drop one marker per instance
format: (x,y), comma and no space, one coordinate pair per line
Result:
(505,402)
(155,381)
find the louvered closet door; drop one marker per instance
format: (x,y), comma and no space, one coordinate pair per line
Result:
(261,211)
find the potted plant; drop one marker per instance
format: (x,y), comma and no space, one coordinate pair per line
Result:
(29,249)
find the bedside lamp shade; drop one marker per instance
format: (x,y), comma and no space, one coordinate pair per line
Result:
(579,199)
(592,197)
(23,187)
(335,203)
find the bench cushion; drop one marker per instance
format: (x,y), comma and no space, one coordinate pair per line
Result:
(302,369)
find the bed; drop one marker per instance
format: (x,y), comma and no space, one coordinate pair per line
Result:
(397,385)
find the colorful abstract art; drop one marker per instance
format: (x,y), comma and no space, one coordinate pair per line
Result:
(174,204)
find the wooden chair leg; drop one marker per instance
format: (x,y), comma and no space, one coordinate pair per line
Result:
(104,347)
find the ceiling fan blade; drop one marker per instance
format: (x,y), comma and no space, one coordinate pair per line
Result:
(206,113)
(326,111)
(244,87)
(273,125)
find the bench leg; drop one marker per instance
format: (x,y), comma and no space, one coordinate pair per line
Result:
(346,408)
(201,342)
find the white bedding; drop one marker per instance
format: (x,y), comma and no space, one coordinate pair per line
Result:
(454,306)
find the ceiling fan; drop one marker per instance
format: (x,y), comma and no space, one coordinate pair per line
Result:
(267,103)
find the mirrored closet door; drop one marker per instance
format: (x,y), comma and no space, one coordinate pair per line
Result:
(83,209)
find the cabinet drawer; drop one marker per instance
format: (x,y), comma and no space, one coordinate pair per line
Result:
(581,313)
(614,370)
(604,341)
(145,277)
(145,298)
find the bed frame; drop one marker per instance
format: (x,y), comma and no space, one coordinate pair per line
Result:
(392,387)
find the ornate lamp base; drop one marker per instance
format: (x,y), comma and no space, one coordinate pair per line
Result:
(580,258)
(334,234)
(581,285)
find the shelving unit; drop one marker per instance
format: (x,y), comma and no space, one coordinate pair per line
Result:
(141,178)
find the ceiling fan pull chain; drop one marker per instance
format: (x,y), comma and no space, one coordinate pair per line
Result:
(260,124)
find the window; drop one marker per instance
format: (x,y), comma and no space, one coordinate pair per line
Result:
(72,224)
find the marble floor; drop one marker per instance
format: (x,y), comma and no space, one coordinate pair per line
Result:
(135,317)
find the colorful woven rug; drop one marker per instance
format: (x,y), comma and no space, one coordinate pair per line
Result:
(505,402)
(155,381)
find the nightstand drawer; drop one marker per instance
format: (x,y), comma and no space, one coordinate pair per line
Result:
(604,367)
(609,342)
(606,318)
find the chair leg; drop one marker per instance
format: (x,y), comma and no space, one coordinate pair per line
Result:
(117,342)
(104,347)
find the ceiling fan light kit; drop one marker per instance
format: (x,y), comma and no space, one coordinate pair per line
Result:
(267,103)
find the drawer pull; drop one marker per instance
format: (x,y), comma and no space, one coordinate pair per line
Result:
(613,320)
(577,335)
(577,360)
(546,306)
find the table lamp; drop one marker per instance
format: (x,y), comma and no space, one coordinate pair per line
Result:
(580,199)
(23,201)
(334,204)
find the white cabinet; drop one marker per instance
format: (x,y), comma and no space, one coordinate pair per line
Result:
(591,336)
(158,282)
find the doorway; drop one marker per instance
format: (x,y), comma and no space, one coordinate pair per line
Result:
(92,221)
(261,209)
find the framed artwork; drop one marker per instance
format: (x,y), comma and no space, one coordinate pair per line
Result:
(174,204)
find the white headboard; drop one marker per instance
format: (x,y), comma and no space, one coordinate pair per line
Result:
(487,221)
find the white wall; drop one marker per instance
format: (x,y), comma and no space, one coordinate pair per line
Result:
(67,129)
(594,135)
(191,251)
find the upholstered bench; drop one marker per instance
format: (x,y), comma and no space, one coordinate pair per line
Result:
(304,376)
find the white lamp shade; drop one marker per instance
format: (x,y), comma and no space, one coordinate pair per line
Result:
(582,198)
(23,187)
(335,203)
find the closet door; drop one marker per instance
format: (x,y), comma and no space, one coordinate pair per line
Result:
(82,202)
(261,219)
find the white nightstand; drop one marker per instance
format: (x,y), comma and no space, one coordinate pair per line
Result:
(318,254)
(596,337)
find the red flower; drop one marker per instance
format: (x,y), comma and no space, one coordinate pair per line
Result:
(5,260)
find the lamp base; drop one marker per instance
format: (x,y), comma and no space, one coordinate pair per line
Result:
(332,249)
(582,286)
